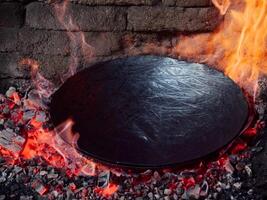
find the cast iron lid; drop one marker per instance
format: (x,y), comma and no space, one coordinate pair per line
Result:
(150,111)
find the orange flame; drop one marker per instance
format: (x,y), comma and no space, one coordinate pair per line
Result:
(222,5)
(238,46)
(43,87)
(58,148)
(107,191)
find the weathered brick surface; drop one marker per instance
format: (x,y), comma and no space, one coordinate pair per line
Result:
(149,43)
(140,18)
(114,28)
(172,19)
(11,14)
(18,1)
(181,3)
(29,41)
(104,18)
(136,40)
(187,3)
(58,43)
(22,84)
(32,41)
(8,39)
(9,66)
(104,44)
(50,66)
(117,2)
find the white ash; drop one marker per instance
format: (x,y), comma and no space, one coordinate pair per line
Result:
(11,141)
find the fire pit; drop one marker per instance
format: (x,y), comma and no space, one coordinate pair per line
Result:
(150,111)
(150,127)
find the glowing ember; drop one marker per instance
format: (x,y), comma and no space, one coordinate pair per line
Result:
(49,145)
(107,191)
(44,88)
(42,142)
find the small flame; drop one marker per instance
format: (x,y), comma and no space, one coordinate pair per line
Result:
(222,5)
(58,148)
(238,46)
(79,46)
(107,191)
(44,87)
(65,131)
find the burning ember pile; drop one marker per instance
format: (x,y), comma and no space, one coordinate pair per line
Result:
(37,163)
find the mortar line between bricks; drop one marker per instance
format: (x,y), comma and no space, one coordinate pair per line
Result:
(19,30)
(23,54)
(123,31)
(126,19)
(15,78)
(126,5)
(73,31)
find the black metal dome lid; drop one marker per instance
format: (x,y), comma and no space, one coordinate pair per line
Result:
(149,111)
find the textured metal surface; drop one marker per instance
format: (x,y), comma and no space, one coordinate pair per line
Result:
(150,111)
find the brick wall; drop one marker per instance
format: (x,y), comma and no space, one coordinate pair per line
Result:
(114,28)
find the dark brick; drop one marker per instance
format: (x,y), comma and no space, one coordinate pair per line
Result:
(51,67)
(8,39)
(187,3)
(43,42)
(58,43)
(9,66)
(20,83)
(11,15)
(18,1)
(149,43)
(104,44)
(168,2)
(103,18)
(172,19)
(131,40)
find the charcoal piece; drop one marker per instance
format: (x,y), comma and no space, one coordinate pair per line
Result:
(103,179)
(150,111)
(11,141)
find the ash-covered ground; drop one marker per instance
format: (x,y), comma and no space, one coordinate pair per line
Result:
(239,174)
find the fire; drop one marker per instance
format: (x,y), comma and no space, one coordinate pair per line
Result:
(44,88)
(222,5)
(57,147)
(107,191)
(238,46)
